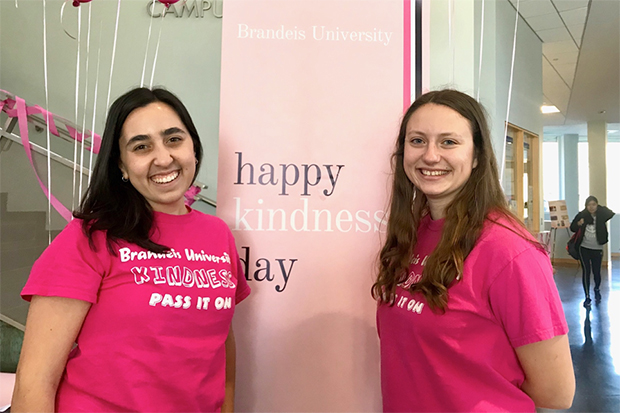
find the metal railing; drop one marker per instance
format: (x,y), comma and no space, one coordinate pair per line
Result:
(7,137)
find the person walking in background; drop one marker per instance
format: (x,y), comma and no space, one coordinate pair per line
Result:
(469,317)
(593,220)
(143,284)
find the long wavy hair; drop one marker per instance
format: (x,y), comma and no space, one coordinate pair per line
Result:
(112,205)
(464,216)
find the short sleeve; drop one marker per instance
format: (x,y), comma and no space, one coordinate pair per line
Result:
(243,289)
(525,299)
(68,268)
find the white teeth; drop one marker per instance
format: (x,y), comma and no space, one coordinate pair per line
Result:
(165,178)
(433,173)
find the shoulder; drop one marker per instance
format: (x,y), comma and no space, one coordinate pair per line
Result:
(505,231)
(502,241)
(74,233)
(507,252)
(72,249)
(74,228)
(605,212)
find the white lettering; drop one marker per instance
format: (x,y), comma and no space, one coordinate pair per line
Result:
(124,254)
(139,275)
(155,299)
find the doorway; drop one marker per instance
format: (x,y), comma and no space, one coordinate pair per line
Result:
(521,180)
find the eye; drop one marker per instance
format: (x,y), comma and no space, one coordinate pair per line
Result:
(139,148)
(416,141)
(175,139)
(449,142)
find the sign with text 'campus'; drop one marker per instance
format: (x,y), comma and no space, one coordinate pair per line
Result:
(311,98)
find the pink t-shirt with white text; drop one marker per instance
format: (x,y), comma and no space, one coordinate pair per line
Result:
(154,337)
(465,360)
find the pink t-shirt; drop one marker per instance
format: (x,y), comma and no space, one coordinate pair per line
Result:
(153,340)
(465,360)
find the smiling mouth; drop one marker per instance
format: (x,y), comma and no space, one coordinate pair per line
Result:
(426,172)
(164,179)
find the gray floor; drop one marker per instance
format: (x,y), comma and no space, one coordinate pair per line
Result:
(594,338)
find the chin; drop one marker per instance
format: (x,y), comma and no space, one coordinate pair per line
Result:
(432,192)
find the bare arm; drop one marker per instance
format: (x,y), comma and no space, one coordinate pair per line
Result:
(549,375)
(231,360)
(51,328)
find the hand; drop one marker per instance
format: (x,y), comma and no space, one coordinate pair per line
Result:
(580,222)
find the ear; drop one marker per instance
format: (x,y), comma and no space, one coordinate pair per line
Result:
(121,166)
(475,162)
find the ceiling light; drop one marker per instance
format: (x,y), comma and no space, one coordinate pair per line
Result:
(549,109)
(612,131)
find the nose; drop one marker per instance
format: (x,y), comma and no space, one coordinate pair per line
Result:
(431,154)
(162,156)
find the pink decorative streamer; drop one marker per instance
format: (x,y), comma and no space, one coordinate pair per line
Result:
(17,108)
(407,55)
(23,128)
(190,195)
(49,117)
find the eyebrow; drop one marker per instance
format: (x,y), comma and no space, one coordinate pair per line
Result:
(137,138)
(167,132)
(173,130)
(441,135)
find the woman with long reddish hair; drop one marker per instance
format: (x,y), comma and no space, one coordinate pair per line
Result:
(468,314)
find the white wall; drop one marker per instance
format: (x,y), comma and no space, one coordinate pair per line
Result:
(188,64)
(527,94)
(189,61)
(452,40)
(455,61)
(614,234)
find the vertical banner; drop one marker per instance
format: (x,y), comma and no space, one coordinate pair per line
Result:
(311,97)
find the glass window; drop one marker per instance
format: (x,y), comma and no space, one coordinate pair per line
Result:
(584,173)
(551,171)
(550,175)
(509,172)
(613,172)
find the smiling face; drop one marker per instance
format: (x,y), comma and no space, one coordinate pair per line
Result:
(438,154)
(157,156)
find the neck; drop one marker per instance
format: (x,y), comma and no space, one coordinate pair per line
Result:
(180,210)
(437,209)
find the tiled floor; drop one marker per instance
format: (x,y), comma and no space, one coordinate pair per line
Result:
(594,338)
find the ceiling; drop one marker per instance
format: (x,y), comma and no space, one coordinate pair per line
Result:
(581,61)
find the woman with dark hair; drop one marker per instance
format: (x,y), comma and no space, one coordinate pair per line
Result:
(468,313)
(593,219)
(144,285)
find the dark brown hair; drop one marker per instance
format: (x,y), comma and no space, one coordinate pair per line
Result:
(591,198)
(464,216)
(115,206)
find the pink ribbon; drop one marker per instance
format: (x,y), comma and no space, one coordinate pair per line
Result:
(190,195)
(49,118)
(17,108)
(23,129)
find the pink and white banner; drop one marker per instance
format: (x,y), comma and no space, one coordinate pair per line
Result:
(311,97)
